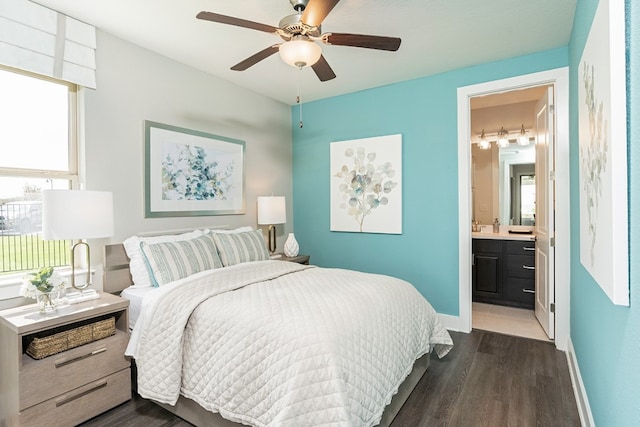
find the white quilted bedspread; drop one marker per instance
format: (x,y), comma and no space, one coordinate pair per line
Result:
(273,343)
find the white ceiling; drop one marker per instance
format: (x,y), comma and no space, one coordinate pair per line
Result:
(437,36)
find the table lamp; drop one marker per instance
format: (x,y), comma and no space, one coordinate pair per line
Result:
(272,210)
(76,215)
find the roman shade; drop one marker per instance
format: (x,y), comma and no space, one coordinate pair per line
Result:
(37,39)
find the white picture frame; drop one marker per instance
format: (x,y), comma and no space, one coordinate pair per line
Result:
(603,175)
(192,173)
(366,185)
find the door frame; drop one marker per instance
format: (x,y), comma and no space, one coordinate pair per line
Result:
(558,77)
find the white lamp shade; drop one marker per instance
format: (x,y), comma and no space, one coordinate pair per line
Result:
(300,53)
(76,214)
(272,210)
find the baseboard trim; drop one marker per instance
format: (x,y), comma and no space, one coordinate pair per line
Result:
(584,410)
(452,323)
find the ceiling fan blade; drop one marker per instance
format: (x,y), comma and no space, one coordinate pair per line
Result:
(230,20)
(254,59)
(323,70)
(361,40)
(315,12)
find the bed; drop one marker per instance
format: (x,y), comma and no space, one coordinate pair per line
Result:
(264,342)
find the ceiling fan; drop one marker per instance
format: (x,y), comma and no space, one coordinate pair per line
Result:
(300,33)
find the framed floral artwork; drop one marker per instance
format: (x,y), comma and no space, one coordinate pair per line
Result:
(603,152)
(192,173)
(366,185)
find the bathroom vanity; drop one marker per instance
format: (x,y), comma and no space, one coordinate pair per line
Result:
(503,269)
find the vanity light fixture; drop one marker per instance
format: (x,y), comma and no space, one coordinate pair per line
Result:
(484,143)
(523,139)
(503,140)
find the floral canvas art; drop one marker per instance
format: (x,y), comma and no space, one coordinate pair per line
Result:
(603,153)
(366,185)
(192,173)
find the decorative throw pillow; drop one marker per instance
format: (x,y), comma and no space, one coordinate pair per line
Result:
(137,263)
(241,247)
(171,261)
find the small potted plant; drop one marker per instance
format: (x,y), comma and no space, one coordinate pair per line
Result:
(44,286)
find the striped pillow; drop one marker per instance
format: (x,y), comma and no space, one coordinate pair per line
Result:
(241,247)
(169,261)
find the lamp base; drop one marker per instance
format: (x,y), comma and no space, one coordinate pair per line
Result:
(86,295)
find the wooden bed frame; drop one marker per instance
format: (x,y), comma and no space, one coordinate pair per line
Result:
(117,277)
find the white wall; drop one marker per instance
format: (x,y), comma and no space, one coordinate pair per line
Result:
(133,85)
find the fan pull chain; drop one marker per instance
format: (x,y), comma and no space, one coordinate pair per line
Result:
(299,98)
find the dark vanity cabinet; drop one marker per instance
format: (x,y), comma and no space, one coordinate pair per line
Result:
(487,270)
(503,272)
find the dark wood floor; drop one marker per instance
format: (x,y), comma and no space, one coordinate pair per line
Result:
(487,379)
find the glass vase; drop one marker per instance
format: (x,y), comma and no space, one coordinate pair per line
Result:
(47,301)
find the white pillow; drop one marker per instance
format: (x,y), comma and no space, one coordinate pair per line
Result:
(137,263)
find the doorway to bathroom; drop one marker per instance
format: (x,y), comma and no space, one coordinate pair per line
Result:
(509,138)
(511,115)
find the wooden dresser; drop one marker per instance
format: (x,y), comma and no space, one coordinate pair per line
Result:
(66,388)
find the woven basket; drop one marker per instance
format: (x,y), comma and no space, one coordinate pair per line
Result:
(40,348)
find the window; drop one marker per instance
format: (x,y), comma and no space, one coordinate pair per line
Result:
(38,150)
(528,199)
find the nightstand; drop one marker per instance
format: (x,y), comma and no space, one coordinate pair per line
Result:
(70,387)
(300,259)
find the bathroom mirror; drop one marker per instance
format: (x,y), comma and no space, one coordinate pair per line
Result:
(503,184)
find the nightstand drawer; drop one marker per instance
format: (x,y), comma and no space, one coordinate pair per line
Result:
(43,379)
(80,404)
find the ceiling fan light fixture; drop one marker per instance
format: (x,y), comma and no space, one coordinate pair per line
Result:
(300,52)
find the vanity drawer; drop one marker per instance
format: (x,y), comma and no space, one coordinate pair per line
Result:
(520,292)
(82,403)
(520,247)
(43,379)
(523,266)
(487,245)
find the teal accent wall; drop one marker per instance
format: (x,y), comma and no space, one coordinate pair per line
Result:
(606,338)
(424,111)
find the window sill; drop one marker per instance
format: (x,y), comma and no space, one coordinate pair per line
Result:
(11,283)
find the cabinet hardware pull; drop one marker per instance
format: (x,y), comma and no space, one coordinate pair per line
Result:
(96,386)
(76,359)
(526,248)
(528,291)
(528,267)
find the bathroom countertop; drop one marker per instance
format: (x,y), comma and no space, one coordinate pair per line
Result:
(503,235)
